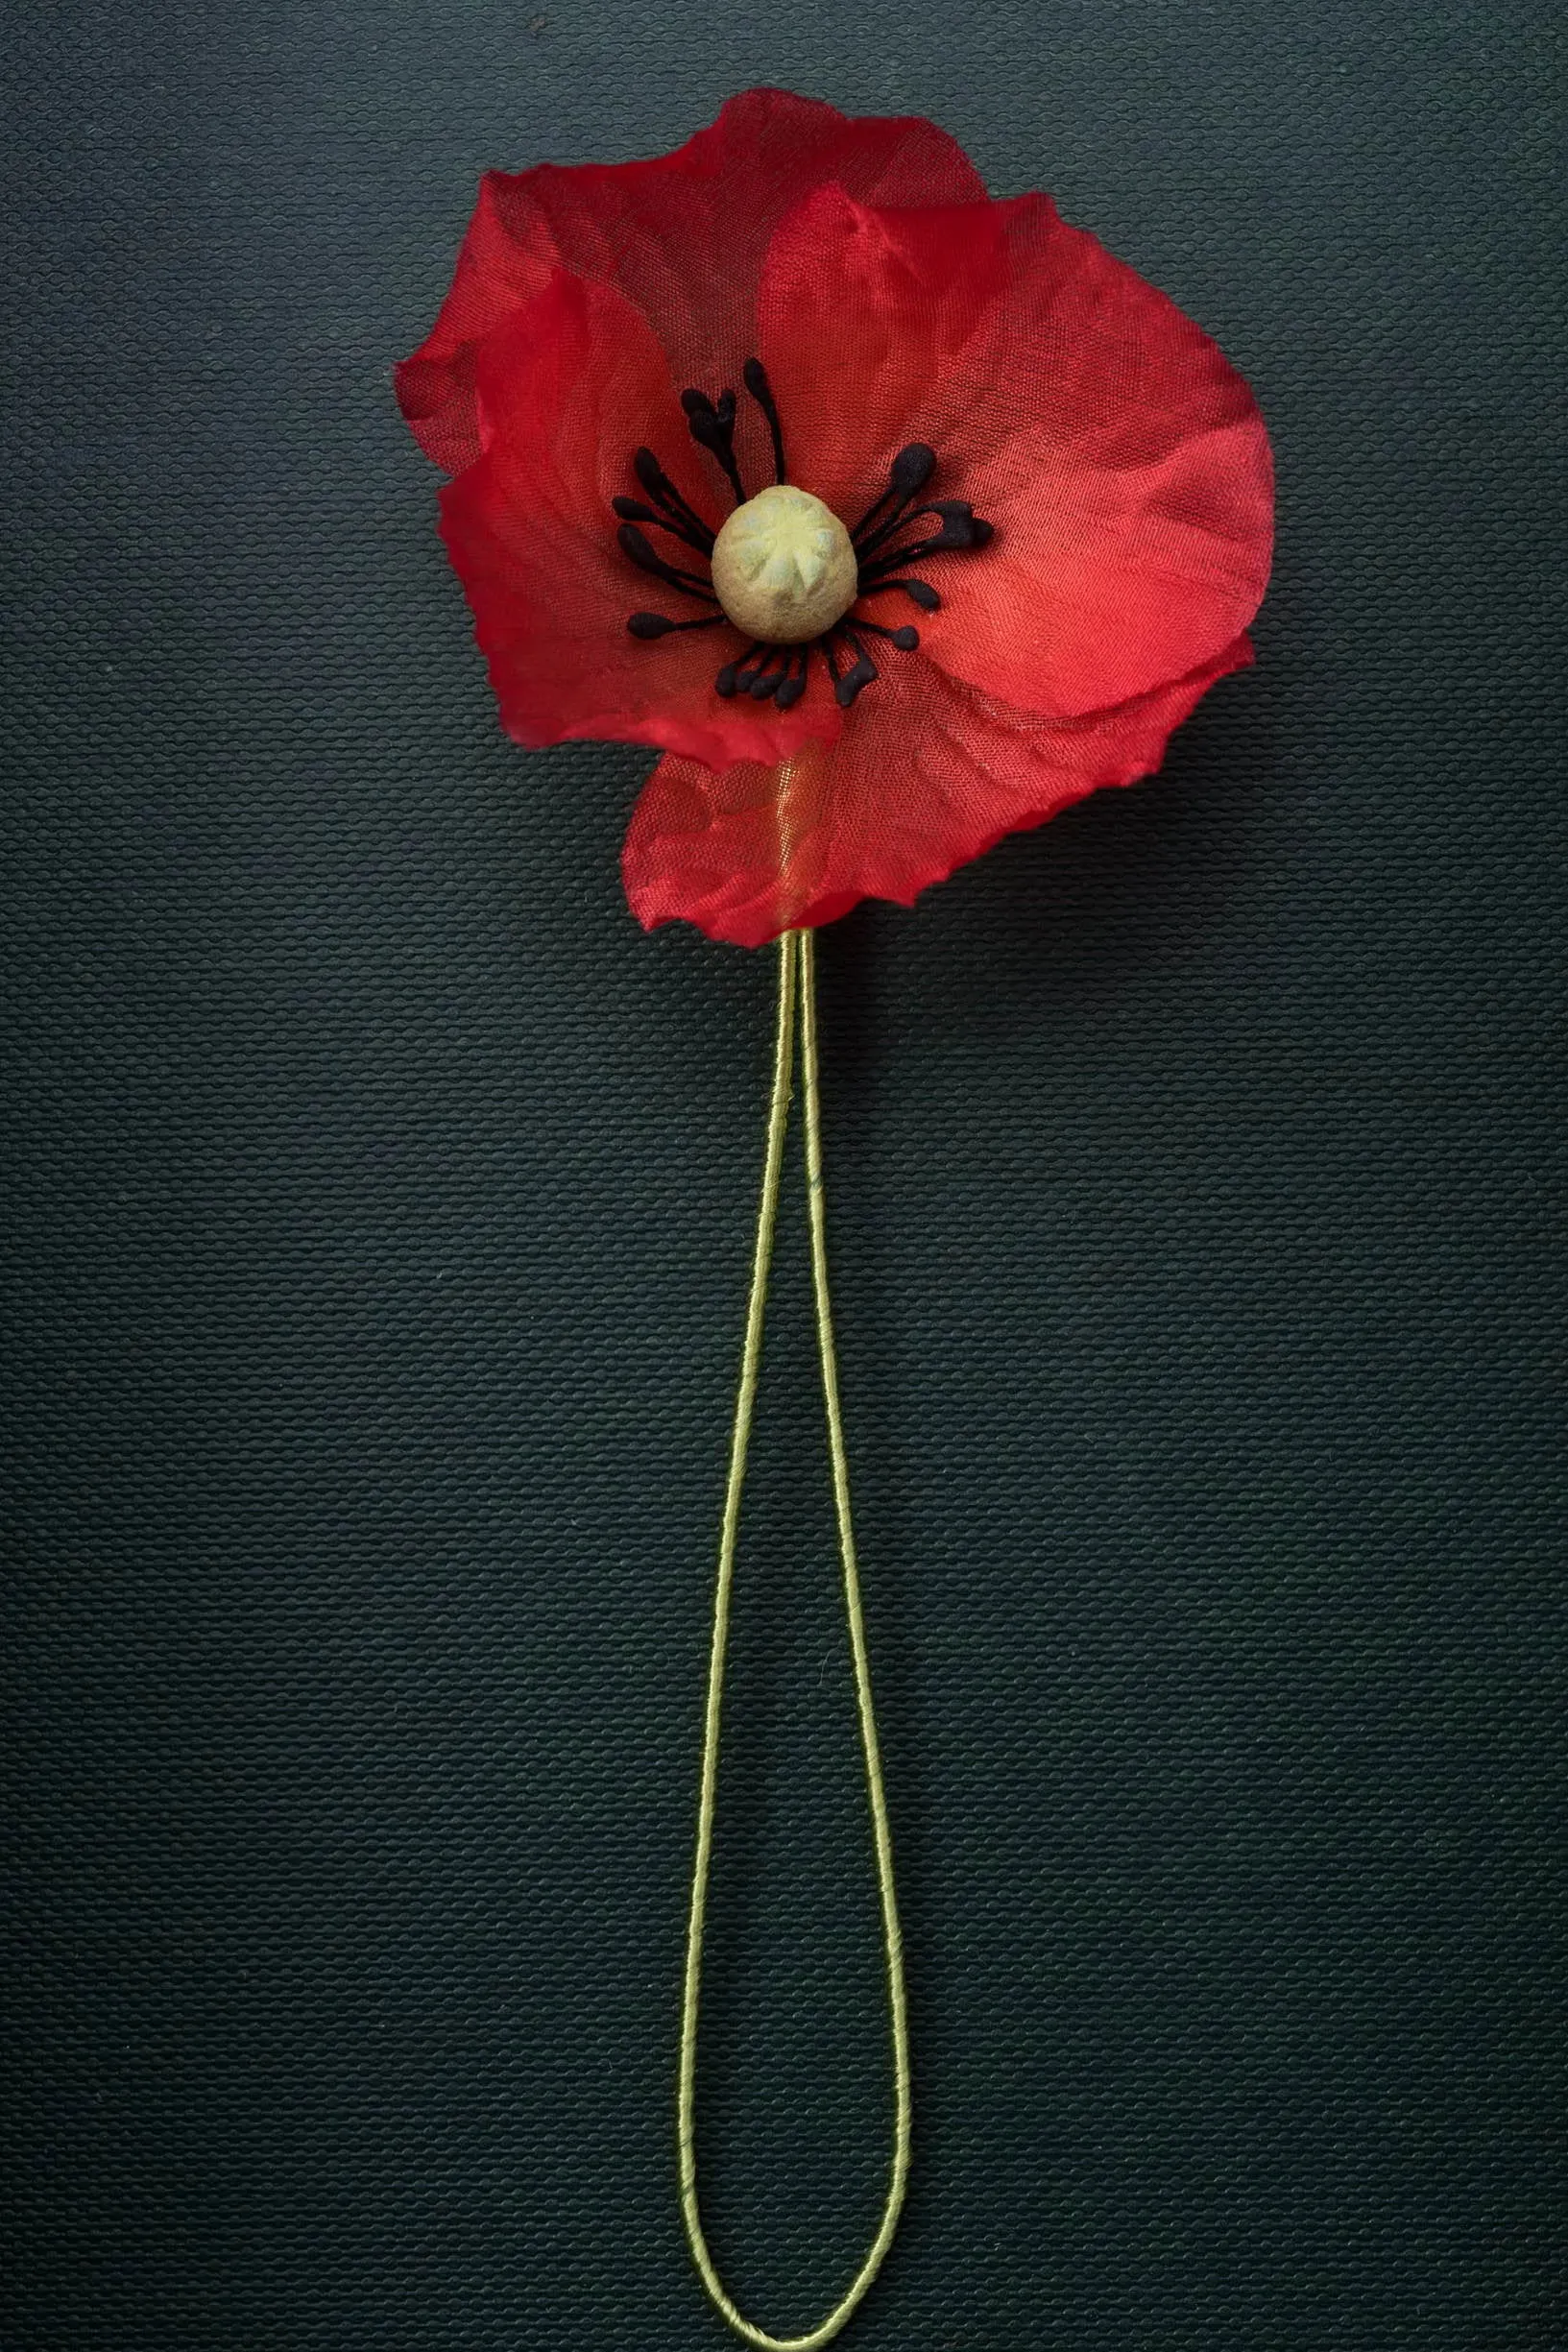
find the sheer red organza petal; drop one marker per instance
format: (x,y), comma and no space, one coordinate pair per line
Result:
(933,778)
(1127,470)
(682,235)
(1121,460)
(860,310)
(566,391)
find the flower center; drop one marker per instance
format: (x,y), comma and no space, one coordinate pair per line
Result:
(784,567)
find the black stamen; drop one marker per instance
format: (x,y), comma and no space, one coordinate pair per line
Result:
(658,625)
(750,671)
(712,429)
(917,592)
(949,510)
(768,670)
(792,685)
(631,510)
(761,392)
(953,511)
(906,477)
(636,545)
(965,527)
(662,491)
(860,673)
(729,680)
(961,529)
(775,683)
(913,467)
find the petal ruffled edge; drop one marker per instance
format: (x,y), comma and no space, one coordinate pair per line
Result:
(683,235)
(1126,469)
(750,851)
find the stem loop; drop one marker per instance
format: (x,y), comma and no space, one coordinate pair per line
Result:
(796,989)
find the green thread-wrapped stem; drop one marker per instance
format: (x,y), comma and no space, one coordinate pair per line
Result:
(797,988)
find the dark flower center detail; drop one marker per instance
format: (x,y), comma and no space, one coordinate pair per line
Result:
(883,553)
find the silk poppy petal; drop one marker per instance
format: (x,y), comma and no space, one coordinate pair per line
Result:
(860,310)
(1128,471)
(682,235)
(566,393)
(897,804)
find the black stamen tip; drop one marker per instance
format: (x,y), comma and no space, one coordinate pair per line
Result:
(860,674)
(791,686)
(725,683)
(673,511)
(754,377)
(676,519)
(762,685)
(961,526)
(918,592)
(912,468)
(649,624)
(906,477)
(713,429)
(635,544)
(906,639)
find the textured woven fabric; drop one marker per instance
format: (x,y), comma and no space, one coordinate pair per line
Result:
(378,1202)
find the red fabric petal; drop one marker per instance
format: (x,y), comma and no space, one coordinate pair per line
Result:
(565,392)
(496,275)
(859,309)
(1121,460)
(682,235)
(911,790)
(1127,470)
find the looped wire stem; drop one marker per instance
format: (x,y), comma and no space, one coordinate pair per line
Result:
(797,993)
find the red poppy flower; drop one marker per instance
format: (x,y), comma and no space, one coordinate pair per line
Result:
(1002,512)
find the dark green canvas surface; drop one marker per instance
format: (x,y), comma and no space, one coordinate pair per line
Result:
(377,1231)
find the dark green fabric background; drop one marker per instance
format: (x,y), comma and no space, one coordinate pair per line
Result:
(379,1213)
